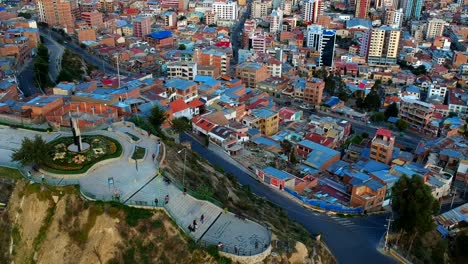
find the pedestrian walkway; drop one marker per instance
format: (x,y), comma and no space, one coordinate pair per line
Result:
(248,237)
(141,186)
(343,221)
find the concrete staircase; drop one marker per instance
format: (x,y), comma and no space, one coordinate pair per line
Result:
(185,208)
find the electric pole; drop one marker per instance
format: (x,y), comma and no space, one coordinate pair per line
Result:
(389,222)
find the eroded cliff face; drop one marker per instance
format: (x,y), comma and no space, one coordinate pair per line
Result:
(52,225)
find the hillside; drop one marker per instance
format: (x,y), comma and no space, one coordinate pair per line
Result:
(44,224)
(55,225)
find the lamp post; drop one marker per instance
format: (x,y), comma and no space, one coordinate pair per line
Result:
(185,161)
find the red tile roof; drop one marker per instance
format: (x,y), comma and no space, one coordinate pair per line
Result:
(195,103)
(384,132)
(203,123)
(178,105)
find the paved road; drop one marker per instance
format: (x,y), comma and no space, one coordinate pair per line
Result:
(25,79)
(351,241)
(89,58)
(236,38)
(55,56)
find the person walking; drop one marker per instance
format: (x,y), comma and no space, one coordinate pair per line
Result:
(236,250)
(202,218)
(154,156)
(156,201)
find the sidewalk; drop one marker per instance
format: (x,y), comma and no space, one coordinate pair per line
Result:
(142,186)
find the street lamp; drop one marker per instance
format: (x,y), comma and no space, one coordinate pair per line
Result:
(185,161)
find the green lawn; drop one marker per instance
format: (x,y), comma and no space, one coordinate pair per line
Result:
(10,173)
(138,153)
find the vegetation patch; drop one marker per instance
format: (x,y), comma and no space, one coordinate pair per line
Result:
(61,160)
(43,230)
(138,153)
(10,173)
(133,137)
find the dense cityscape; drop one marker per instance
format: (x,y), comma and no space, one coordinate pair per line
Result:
(219,131)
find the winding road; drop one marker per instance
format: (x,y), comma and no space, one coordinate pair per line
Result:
(351,240)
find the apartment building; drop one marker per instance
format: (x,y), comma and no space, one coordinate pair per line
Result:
(182,69)
(141,26)
(257,42)
(267,121)
(213,57)
(61,13)
(412,8)
(312,9)
(313,91)
(260,9)
(225,10)
(435,28)
(322,40)
(92,19)
(393,17)
(417,113)
(362,8)
(276,20)
(252,73)
(380,45)
(382,146)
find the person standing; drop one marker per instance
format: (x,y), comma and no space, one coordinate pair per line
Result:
(156,201)
(202,218)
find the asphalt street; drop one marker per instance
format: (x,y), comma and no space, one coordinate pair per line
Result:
(89,58)
(236,38)
(55,56)
(351,240)
(25,79)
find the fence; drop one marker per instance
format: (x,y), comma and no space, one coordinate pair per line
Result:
(193,193)
(238,251)
(324,205)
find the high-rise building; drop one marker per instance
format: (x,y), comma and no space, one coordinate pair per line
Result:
(323,41)
(382,146)
(312,9)
(225,10)
(313,91)
(393,17)
(435,28)
(260,8)
(287,7)
(141,26)
(62,13)
(412,8)
(276,20)
(362,8)
(380,45)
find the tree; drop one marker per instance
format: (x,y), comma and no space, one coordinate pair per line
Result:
(181,124)
(182,47)
(288,149)
(32,151)
(414,205)
(372,101)
(402,125)
(157,117)
(365,135)
(378,117)
(25,15)
(391,111)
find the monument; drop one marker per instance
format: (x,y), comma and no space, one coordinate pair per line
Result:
(78,145)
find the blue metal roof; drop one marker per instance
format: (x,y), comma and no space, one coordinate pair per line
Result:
(278,174)
(179,84)
(332,101)
(263,113)
(266,141)
(319,154)
(374,185)
(160,34)
(385,176)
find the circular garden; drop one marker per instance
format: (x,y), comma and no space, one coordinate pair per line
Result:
(60,159)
